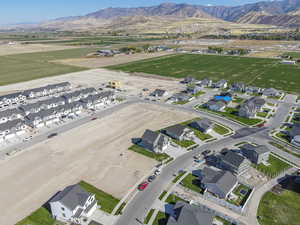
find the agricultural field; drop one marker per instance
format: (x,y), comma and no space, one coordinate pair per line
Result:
(29,66)
(253,71)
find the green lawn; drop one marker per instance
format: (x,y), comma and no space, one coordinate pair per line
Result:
(202,136)
(199,93)
(107,201)
(262,114)
(232,113)
(40,217)
(276,167)
(172,199)
(29,66)
(178,177)
(285,149)
(180,102)
(282,209)
(184,143)
(238,100)
(241,197)
(161,219)
(221,130)
(192,182)
(261,72)
(147,153)
(148,217)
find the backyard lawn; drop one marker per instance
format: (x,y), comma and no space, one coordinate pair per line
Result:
(184,143)
(161,219)
(147,153)
(107,201)
(192,182)
(40,216)
(275,168)
(221,130)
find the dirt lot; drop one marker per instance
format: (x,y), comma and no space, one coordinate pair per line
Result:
(131,83)
(6,49)
(109,61)
(31,178)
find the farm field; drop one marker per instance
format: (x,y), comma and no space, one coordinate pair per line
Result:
(253,71)
(30,66)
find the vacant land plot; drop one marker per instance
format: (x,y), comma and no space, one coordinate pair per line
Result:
(29,66)
(20,48)
(100,158)
(282,209)
(109,61)
(254,71)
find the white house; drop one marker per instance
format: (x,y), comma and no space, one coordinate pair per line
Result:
(73,204)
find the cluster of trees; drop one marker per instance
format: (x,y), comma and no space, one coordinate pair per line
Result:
(288,36)
(221,50)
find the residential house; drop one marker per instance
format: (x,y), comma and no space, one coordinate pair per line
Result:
(31,108)
(204,125)
(73,204)
(159,93)
(215,105)
(271,92)
(252,106)
(253,90)
(189,80)
(238,87)
(193,89)
(154,141)
(234,162)
(218,182)
(221,84)
(181,97)
(206,82)
(179,132)
(294,135)
(35,120)
(10,114)
(186,214)
(11,128)
(12,99)
(257,154)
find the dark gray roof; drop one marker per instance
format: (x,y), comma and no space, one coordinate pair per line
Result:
(9,112)
(260,149)
(158,92)
(233,158)
(295,131)
(190,215)
(224,180)
(177,129)
(72,196)
(150,136)
(219,104)
(205,123)
(11,124)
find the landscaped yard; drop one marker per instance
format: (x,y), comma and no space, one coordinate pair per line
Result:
(199,93)
(261,72)
(147,153)
(40,217)
(275,168)
(281,209)
(232,113)
(192,182)
(202,136)
(262,114)
(242,192)
(106,201)
(148,217)
(184,143)
(221,130)
(161,219)
(172,199)
(179,176)
(180,102)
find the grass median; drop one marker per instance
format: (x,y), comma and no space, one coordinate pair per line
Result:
(147,153)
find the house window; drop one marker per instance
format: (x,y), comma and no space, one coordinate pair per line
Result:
(62,208)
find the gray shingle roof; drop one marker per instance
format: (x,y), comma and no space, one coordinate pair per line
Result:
(190,215)
(260,149)
(11,124)
(150,136)
(177,129)
(233,158)
(72,196)
(204,124)
(9,112)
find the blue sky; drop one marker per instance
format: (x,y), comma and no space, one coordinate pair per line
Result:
(18,11)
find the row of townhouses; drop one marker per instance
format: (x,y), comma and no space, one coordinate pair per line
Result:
(43,114)
(21,97)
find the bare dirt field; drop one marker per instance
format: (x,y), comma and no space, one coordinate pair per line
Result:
(31,178)
(131,83)
(110,61)
(6,49)
(266,54)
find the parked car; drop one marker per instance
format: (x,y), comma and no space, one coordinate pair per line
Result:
(206,152)
(157,172)
(52,135)
(143,186)
(151,178)
(94,118)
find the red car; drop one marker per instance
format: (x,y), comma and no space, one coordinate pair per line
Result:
(143,186)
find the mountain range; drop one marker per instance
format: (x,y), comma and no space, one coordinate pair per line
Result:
(284,13)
